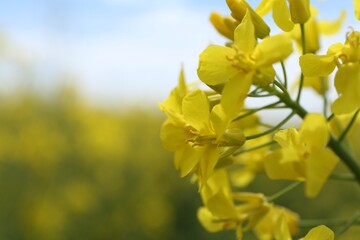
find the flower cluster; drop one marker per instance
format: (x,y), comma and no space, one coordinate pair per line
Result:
(223,144)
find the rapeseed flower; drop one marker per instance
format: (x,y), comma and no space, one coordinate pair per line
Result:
(347,79)
(303,155)
(244,63)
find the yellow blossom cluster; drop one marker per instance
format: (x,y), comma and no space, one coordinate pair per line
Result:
(223,144)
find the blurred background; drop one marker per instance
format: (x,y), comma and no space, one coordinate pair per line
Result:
(80,155)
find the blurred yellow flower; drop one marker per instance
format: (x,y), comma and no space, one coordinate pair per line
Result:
(303,155)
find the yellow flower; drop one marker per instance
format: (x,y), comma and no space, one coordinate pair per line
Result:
(242,64)
(267,228)
(347,79)
(194,131)
(303,155)
(220,212)
(285,16)
(317,233)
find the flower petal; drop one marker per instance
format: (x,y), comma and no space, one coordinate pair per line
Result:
(234,94)
(347,84)
(196,110)
(320,233)
(186,159)
(332,27)
(281,15)
(314,132)
(317,66)
(214,67)
(272,49)
(319,166)
(244,35)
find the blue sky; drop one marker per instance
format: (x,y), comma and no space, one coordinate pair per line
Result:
(115,51)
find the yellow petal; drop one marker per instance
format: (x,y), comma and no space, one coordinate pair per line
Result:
(196,110)
(172,137)
(244,36)
(206,219)
(219,120)
(277,170)
(314,132)
(234,94)
(320,233)
(186,159)
(319,166)
(287,137)
(357,9)
(214,66)
(209,158)
(281,15)
(264,7)
(282,229)
(272,50)
(182,88)
(332,27)
(317,66)
(347,83)
(319,84)
(221,206)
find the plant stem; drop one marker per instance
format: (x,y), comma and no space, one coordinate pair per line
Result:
(256,110)
(284,73)
(271,129)
(283,191)
(241,151)
(303,52)
(348,127)
(348,224)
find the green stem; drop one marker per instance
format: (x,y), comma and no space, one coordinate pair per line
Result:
(324,95)
(250,112)
(348,224)
(303,52)
(276,127)
(309,223)
(284,73)
(348,127)
(342,177)
(283,191)
(279,85)
(241,151)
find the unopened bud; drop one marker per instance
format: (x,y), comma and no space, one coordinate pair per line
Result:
(224,25)
(299,10)
(238,10)
(234,136)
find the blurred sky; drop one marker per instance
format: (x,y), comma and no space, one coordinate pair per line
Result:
(115,51)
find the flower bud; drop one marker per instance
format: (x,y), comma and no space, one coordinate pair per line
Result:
(234,136)
(238,10)
(299,10)
(224,25)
